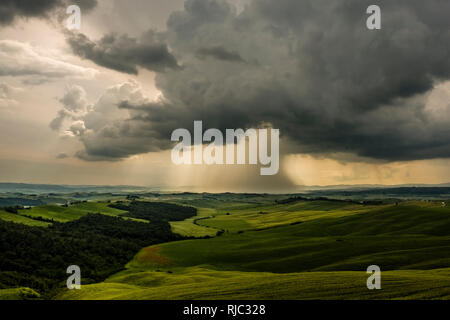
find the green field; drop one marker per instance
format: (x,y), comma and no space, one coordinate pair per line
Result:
(250,216)
(60,213)
(301,250)
(191,228)
(72,212)
(20,219)
(203,283)
(18,294)
(262,247)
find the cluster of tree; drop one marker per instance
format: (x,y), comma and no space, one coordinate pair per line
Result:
(100,245)
(12,209)
(132,197)
(291,199)
(73,202)
(156,211)
(42,219)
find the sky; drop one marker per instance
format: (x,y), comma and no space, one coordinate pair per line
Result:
(98,105)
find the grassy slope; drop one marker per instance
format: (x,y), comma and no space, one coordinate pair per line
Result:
(200,283)
(63,214)
(18,294)
(210,206)
(214,214)
(408,236)
(250,217)
(190,228)
(73,212)
(11,217)
(277,261)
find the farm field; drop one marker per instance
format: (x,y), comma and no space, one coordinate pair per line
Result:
(203,284)
(72,212)
(191,227)
(249,247)
(11,217)
(314,250)
(251,217)
(18,294)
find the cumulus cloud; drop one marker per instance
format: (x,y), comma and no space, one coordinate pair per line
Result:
(75,99)
(321,77)
(124,53)
(75,106)
(107,130)
(10,10)
(19,59)
(77,128)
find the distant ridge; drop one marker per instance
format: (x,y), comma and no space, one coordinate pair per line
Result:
(30,188)
(372,186)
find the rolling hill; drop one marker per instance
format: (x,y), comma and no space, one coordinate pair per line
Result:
(313,250)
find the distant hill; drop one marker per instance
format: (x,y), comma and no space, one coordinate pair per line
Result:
(424,193)
(26,188)
(358,192)
(371,186)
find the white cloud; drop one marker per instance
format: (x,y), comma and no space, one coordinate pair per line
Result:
(76,129)
(36,65)
(107,131)
(75,107)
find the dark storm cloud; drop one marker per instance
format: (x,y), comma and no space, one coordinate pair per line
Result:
(326,81)
(12,9)
(219,53)
(84,4)
(123,53)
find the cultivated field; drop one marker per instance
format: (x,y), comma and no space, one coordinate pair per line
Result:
(301,250)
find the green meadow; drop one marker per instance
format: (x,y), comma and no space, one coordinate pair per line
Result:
(18,294)
(250,216)
(61,213)
(204,283)
(301,250)
(191,227)
(72,212)
(264,247)
(12,217)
